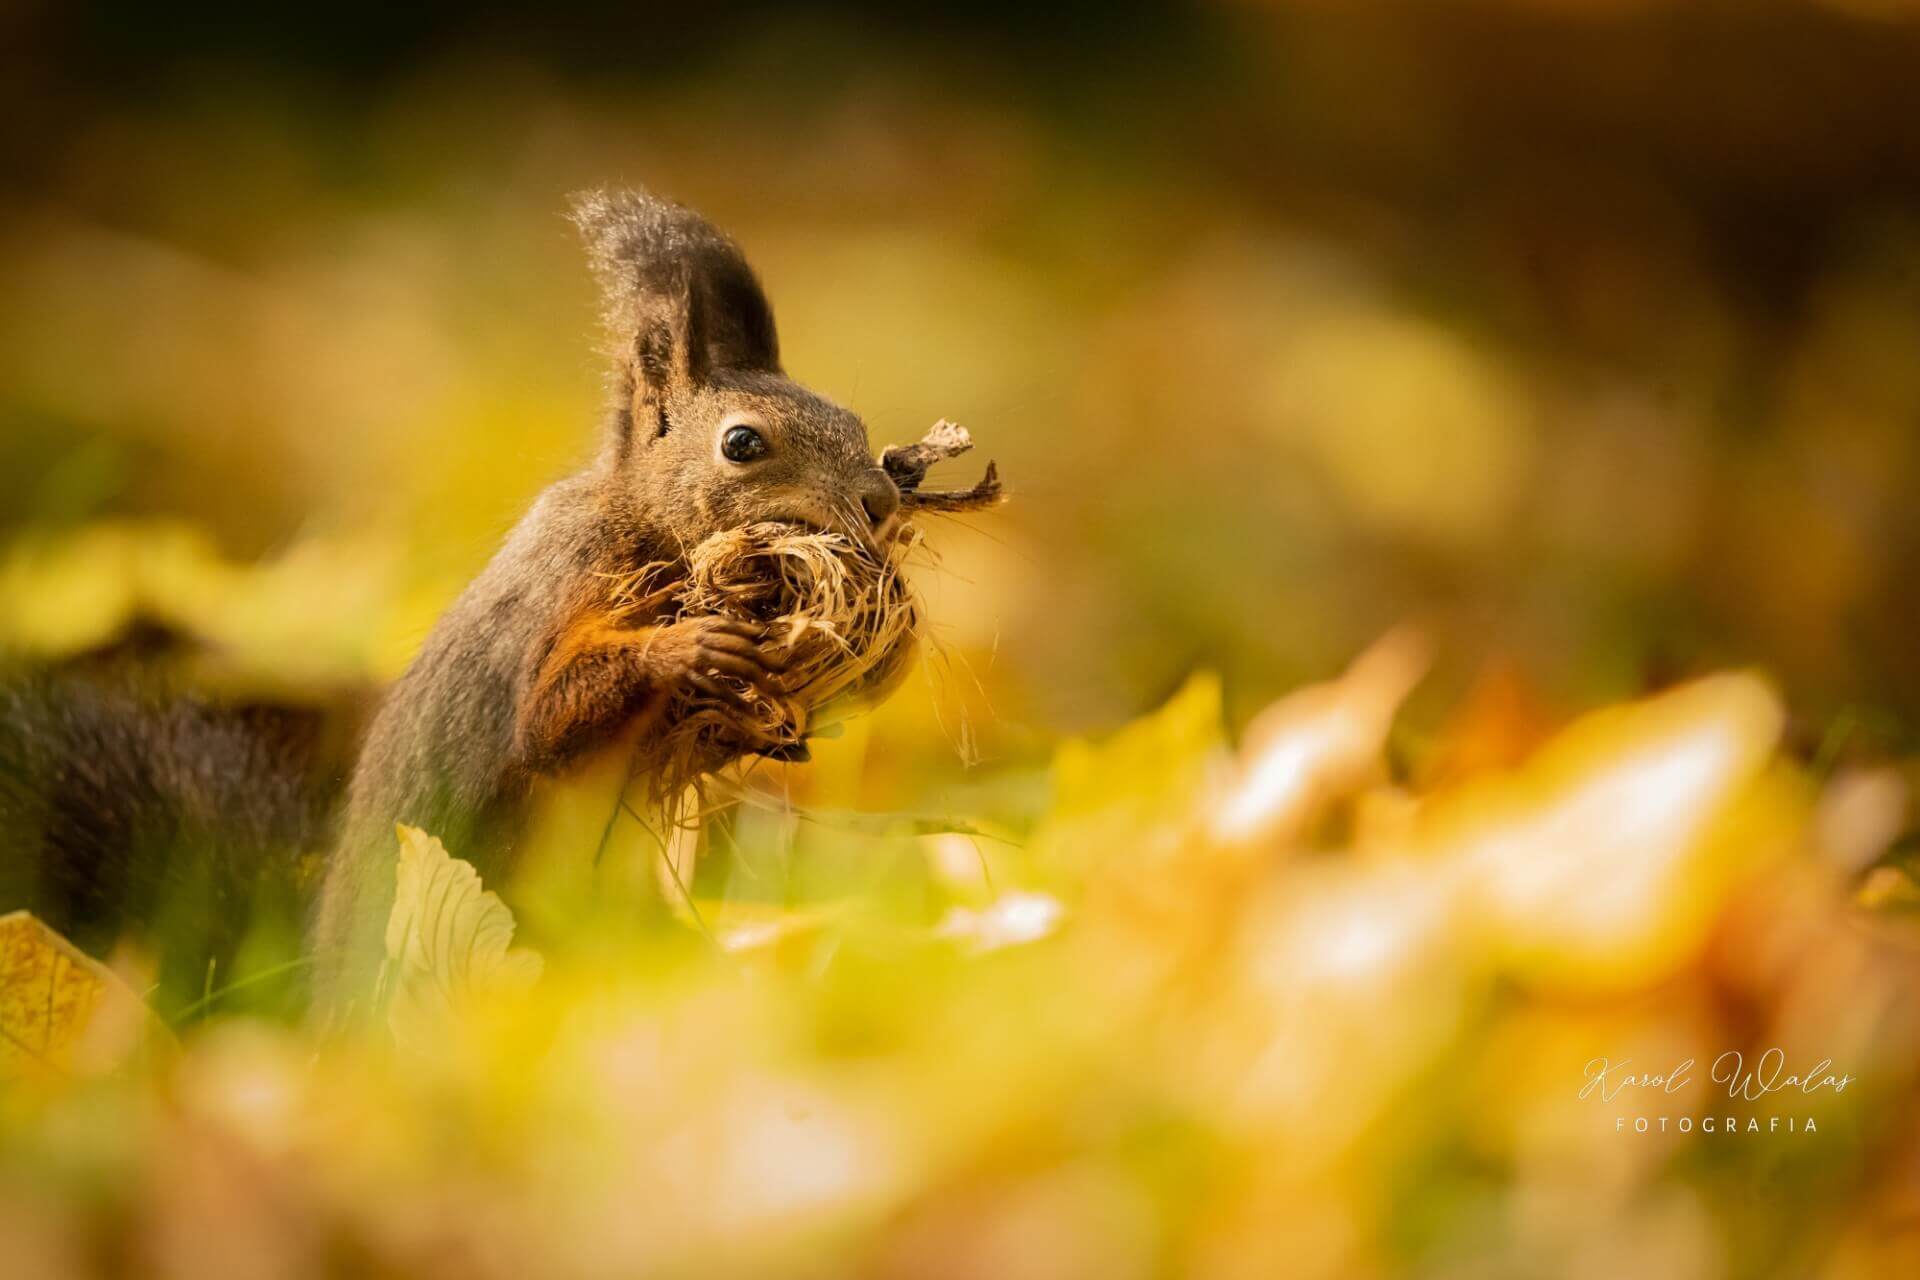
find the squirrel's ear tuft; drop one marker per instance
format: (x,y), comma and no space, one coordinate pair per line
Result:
(680,299)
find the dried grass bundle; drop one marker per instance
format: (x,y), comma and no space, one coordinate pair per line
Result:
(843,617)
(844,620)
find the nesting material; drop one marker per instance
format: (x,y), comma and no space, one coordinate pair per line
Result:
(843,620)
(908,464)
(841,616)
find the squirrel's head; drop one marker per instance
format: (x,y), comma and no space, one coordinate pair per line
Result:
(707,432)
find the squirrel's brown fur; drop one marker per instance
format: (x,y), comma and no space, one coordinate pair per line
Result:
(532,666)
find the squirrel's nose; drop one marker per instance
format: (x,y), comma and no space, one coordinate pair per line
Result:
(879,497)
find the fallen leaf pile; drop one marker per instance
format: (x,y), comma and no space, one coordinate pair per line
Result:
(1285,1006)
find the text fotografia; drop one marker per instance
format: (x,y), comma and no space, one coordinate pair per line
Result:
(1607,1080)
(1716,1124)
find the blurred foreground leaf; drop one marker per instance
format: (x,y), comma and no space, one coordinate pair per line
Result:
(61,1011)
(1136,790)
(322,612)
(447,938)
(1605,859)
(1318,744)
(1008,921)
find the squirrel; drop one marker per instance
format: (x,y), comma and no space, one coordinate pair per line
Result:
(119,802)
(532,667)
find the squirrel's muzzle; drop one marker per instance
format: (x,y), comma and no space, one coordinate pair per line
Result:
(879,497)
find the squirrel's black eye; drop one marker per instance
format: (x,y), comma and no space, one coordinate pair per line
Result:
(742,444)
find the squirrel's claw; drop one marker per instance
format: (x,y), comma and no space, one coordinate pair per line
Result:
(718,691)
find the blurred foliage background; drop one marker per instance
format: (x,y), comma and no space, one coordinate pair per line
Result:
(1584,334)
(1584,331)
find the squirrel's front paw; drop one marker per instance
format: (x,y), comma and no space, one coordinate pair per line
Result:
(694,652)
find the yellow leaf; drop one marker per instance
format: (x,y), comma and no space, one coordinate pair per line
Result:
(1318,744)
(54,1002)
(765,931)
(447,939)
(1889,887)
(1603,862)
(1138,789)
(1008,921)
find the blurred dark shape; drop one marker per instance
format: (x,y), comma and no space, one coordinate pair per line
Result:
(170,822)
